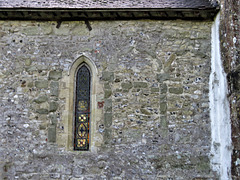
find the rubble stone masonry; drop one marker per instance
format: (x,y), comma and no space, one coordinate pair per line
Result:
(151,104)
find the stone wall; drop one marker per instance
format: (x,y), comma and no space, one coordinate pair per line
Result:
(153,75)
(230,48)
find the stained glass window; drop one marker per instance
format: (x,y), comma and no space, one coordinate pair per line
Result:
(82,109)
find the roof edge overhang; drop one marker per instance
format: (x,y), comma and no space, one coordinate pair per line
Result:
(75,14)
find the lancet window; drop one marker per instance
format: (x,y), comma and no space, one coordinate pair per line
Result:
(82,109)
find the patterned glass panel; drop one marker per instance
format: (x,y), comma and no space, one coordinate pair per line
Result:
(82,109)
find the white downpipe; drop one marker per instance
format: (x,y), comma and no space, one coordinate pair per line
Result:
(219,110)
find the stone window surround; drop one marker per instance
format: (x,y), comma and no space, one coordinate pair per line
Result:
(67,136)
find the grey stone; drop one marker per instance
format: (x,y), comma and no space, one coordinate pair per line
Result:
(52,133)
(163,97)
(154,90)
(163,77)
(53,106)
(169,62)
(55,75)
(108,105)
(108,119)
(54,88)
(203,164)
(134,115)
(126,85)
(28,62)
(163,88)
(107,86)
(41,84)
(42,111)
(30,84)
(144,111)
(31,68)
(40,99)
(163,107)
(140,85)
(107,135)
(53,118)
(107,93)
(43,126)
(107,76)
(164,122)
(176,90)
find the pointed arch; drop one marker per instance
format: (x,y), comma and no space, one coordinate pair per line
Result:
(72,114)
(82,111)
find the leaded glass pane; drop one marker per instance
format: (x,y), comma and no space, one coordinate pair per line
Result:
(82,109)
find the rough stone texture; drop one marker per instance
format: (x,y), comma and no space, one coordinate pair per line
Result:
(107,4)
(230,48)
(156,114)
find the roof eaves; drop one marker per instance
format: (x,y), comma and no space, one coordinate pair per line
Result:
(105,13)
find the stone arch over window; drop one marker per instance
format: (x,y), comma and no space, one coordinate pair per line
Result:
(69,115)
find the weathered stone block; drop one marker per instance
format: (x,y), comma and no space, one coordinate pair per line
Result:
(167,65)
(126,85)
(140,85)
(144,111)
(108,119)
(163,107)
(42,111)
(203,164)
(55,75)
(52,133)
(108,105)
(107,136)
(43,126)
(176,90)
(30,69)
(163,77)
(107,93)
(163,122)
(30,84)
(154,90)
(163,97)
(108,76)
(54,88)
(53,106)
(41,84)
(40,99)
(53,118)
(32,30)
(107,86)
(163,88)
(28,62)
